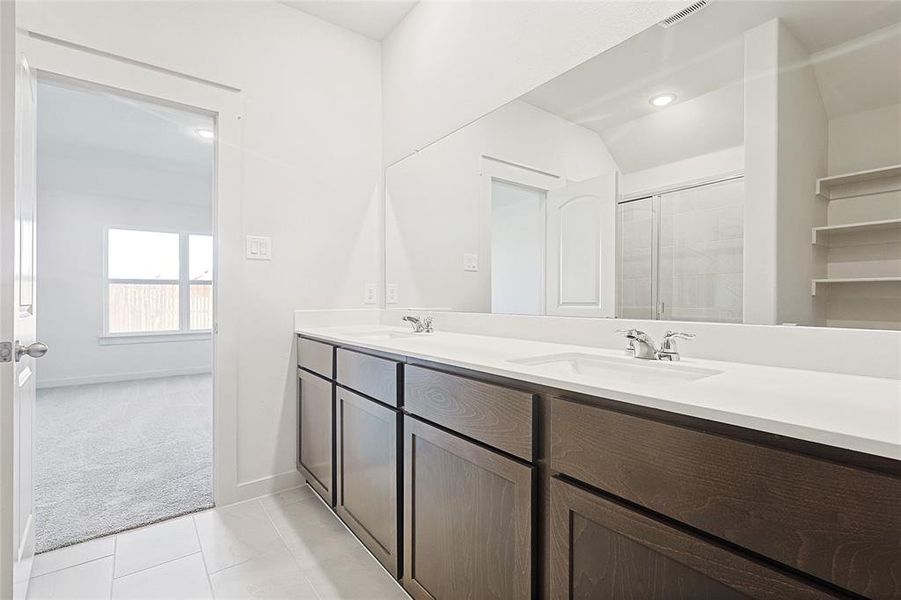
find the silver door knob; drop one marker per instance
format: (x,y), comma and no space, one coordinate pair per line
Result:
(35,350)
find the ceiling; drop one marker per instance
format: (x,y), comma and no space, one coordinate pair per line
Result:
(373,18)
(77,121)
(855,47)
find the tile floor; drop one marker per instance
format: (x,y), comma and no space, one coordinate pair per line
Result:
(289,545)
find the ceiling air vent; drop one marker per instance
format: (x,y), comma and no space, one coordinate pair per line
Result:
(684,13)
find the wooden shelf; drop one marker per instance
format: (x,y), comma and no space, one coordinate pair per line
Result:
(815,282)
(821,234)
(861,183)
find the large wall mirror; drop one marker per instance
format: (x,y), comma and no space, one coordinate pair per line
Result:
(739,162)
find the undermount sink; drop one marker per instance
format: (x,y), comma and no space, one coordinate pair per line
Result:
(381,335)
(611,369)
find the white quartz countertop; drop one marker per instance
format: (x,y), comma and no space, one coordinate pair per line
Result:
(847,411)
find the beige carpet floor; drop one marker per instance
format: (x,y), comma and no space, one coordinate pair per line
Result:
(113,456)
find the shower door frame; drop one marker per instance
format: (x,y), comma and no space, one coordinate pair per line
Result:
(655,195)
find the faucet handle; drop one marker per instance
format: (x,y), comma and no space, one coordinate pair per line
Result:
(677,335)
(668,349)
(631,335)
(427,324)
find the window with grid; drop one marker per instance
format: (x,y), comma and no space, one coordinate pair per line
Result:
(158,282)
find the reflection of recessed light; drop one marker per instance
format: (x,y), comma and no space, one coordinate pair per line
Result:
(205,134)
(662,99)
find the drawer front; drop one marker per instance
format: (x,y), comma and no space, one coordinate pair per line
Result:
(370,375)
(837,523)
(491,414)
(316,357)
(601,549)
(315,432)
(367,474)
(468,519)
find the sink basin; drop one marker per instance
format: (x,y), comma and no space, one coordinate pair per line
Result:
(376,336)
(609,369)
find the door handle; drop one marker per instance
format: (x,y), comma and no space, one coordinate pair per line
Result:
(35,350)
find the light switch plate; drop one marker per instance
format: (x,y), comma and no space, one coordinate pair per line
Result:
(371,294)
(258,247)
(470,262)
(391,293)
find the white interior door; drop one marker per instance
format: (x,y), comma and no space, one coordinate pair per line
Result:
(581,248)
(20,348)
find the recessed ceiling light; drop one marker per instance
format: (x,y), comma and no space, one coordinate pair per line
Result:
(662,99)
(205,134)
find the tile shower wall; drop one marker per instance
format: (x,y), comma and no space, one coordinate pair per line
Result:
(700,268)
(636,244)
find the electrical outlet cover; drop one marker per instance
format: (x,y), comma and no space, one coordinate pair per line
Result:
(470,262)
(371,294)
(391,294)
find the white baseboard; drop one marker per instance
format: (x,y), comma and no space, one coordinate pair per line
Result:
(53,383)
(268,485)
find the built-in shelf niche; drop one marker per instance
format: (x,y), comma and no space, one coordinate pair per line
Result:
(827,281)
(861,183)
(860,245)
(823,235)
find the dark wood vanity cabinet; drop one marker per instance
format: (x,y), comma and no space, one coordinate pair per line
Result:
(468,519)
(367,474)
(315,456)
(471,486)
(803,512)
(599,548)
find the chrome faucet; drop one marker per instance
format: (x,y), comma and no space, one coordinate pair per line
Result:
(668,349)
(420,324)
(641,345)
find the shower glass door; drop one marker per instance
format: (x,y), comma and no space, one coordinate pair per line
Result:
(681,254)
(637,233)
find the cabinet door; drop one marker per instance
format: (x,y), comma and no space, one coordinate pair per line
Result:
(315,428)
(367,474)
(467,519)
(601,549)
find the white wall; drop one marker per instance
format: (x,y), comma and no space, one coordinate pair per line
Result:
(436,208)
(311,174)
(801,151)
(785,153)
(761,140)
(720,162)
(865,140)
(449,63)
(79,197)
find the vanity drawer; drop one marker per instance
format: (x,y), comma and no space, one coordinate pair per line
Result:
(837,523)
(370,375)
(316,357)
(494,415)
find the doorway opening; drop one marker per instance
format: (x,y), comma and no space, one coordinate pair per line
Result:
(124,413)
(517,248)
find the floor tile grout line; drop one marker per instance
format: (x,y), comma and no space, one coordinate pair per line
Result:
(165,562)
(206,571)
(285,542)
(113,573)
(360,542)
(80,562)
